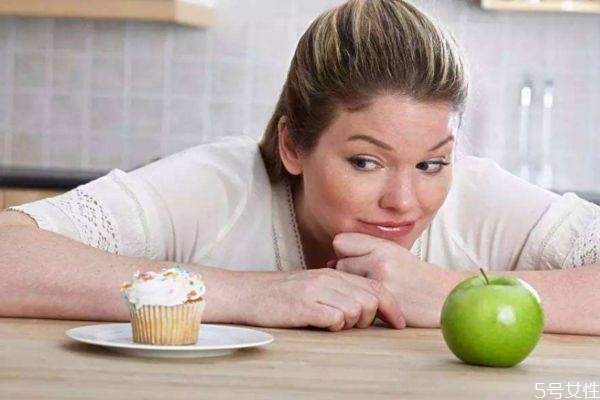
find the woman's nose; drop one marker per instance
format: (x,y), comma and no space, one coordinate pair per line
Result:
(400,194)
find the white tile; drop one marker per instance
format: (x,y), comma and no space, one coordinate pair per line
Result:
(261,114)
(27,113)
(572,94)
(484,47)
(65,151)
(572,172)
(142,151)
(4,78)
(4,104)
(513,83)
(30,70)
(449,12)
(33,33)
(4,156)
(108,36)
(310,10)
(179,143)
(299,28)
(105,152)
(226,119)
(26,150)
(267,82)
(484,120)
(189,42)
(107,115)
(246,55)
(228,81)
(187,78)
(427,6)
(147,75)
(147,38)
(527,43)
(272,41)
(68,71)
(66,114)
(5,32)
(573,40)
(108,74)
(475,13)
(70,34)
(234,11)
(146,116)
(229,40)
(272,9)
(186,117)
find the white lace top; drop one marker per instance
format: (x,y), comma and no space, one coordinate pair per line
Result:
(214,205)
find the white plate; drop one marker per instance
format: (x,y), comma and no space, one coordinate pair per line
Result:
(214,340)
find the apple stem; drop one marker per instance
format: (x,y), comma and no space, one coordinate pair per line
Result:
(485,276)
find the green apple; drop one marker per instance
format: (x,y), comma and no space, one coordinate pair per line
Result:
(492,320)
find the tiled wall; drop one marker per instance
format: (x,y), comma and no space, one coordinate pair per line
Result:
(97,94)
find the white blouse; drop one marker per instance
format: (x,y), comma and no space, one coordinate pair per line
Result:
(213,205)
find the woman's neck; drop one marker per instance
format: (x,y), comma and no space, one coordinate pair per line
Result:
(316,244)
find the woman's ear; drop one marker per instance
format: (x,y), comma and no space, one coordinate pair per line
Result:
(290,156)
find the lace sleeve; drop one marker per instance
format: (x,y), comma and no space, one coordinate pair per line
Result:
(180,208)
(90,218)
(586,249)
(105,214)
(567,236)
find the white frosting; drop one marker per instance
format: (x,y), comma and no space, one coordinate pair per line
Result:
(169,287)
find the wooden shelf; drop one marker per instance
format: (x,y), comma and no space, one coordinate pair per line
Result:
(574,6)
(13,197)
(186,12)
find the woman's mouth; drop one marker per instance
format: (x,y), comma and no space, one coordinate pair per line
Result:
(388,230)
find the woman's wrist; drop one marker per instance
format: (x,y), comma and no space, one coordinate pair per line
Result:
(235,297)
(224,298)
(441,283)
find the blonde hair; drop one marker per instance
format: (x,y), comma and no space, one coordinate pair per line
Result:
(355,52)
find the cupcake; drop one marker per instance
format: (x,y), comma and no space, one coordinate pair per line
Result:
(166,306)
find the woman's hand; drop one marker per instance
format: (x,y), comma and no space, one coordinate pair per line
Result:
(420,288)
(323,298)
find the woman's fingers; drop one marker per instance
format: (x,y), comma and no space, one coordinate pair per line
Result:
(347,304)
(388,306)
(361,266)
(333,300)
(352,244)
(327,317)
(359,299)
(368,304)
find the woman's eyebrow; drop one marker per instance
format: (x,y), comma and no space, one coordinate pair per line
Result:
(443,142)
(371,140)
(386,146)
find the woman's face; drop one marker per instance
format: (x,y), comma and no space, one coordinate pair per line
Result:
(384,170)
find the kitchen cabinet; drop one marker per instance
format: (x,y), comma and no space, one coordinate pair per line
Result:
(197,13)
(574,6)
(14,196)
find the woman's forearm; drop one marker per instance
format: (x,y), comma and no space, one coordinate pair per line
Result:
(570,297)
(45,275)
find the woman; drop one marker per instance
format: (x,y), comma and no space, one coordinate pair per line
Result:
(351,208)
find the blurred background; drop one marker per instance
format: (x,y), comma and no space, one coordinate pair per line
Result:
(90,95)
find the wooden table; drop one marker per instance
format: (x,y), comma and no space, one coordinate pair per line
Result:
(37,360)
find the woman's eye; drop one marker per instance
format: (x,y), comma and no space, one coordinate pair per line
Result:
(432,167)
(364,164)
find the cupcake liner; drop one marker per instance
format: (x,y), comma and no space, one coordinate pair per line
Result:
(166,325)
